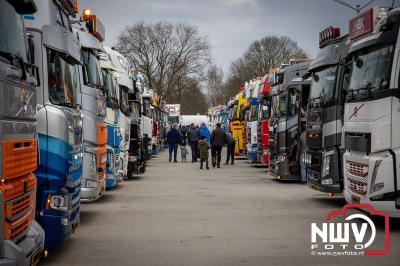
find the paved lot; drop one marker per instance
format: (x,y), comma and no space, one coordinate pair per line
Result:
(177,214)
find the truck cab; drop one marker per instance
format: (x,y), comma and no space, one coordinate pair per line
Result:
(109,73)
(147,123)
(264,112)
(22,238)
(372,112)
(136,161)
(252,124)
(275,78)
(91,97)
(56,52)
(293,97)
(324,151)
(236,126)
(125,84)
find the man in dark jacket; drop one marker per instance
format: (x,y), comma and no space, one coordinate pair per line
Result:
(217,140)
(193,136)
(174,138)
(230,153)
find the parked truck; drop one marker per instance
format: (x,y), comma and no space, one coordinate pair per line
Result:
(125,84)
(324,151)
(56,51)
(252,122)
(109,73)
(293,97)
(264,112)
(235,107)
(146,122)
(21,237)
(275,78)
(90,33)
(136,162)
(372,112)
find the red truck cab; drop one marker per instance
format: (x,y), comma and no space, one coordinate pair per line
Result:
(264,100)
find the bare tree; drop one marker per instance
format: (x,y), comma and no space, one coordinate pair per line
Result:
(259,58)
(215,85)
(166,54)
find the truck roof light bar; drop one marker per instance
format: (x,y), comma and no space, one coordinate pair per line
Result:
(328,35)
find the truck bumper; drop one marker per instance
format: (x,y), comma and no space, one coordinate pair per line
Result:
(91,194)
(111,180)
(28,251)
(59,227)
(285,171)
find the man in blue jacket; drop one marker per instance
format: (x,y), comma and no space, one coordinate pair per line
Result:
(204,131)
(174,138)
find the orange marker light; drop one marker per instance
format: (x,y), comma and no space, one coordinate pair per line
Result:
(87,14)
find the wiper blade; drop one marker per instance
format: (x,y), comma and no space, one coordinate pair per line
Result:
(10,56)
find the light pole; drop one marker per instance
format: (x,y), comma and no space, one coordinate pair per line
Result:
(357,8)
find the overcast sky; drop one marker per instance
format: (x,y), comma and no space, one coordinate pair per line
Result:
(231,25)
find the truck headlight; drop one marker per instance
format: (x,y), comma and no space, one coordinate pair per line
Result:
(328,181)
(71,136)
(326,165)
(57,202)
(93,164)
(91,184)
(103,158)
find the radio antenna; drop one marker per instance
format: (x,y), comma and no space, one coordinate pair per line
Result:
(356,8)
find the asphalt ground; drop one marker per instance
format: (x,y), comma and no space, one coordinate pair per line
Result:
(177,214)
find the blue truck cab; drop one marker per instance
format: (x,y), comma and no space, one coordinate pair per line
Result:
(56,52)
(111,88)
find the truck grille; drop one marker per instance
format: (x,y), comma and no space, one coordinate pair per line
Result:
(101,178)
(313,175)
(19,212)
(19,158)
(18,186)
(357,169)
(356,186)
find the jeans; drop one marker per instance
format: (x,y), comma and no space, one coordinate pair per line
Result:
(216,153)
(303,169)
(230,152)
(174,148)
(201,163)
(193,147)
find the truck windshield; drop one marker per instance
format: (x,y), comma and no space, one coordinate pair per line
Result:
(109,84)
(323,84)
(282,103)
(371,68)
(91,69)
(12,41)
(123,100)
(275,105)
(254,113)
(62,79)
(146,107)
(233,111)
(264,109)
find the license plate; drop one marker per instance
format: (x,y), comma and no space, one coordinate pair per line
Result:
(355,200)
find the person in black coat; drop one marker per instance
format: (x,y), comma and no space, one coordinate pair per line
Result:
(174,138)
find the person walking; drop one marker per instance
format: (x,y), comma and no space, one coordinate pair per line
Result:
(230,152)
(204,131)
(193,136)
(174,138)
(203,150)
(217,140)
